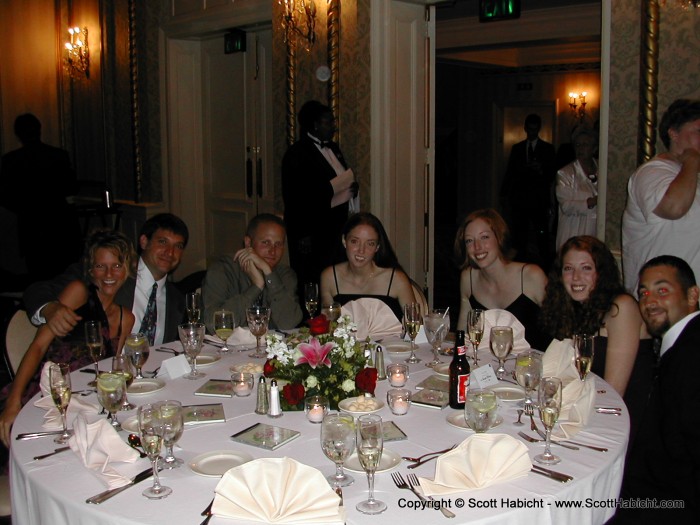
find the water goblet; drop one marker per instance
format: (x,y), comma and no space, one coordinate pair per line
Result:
(549,399)
(475,330)
(311,298)
(151,428)
(59,380)
(173,426)
(370,444)
(480,410)
(192,337)
(258,318)
(436,325)
(331,311)
(138,350)
(95,344)
(501,343)
(223,326)
(193,304)
(122,365)
(413,320)
(528,371)
(583,354)
(111,392)
(338,442)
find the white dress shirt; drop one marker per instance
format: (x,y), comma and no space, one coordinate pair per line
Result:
(144,285)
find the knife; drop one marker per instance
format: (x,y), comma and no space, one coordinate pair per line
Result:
(558,476)
(543,436)
(104,496)
(34,435)
(57,451)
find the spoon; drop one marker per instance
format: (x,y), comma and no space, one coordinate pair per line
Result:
(135,443)
(520,414)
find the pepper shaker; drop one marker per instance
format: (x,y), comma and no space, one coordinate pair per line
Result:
(275,407)
(379,364)
(263,404)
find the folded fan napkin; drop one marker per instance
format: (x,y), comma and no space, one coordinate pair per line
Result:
(240,336)
(496,317)
(277,490)
(578,397)
(374,319)
(479,461)
(99,446)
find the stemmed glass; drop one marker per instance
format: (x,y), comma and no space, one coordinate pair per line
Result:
(370,444)
(475,330)
(331,311)
(193,304)
(137,349)
(412,319)
(122,365)
(528,371)
(95,344)
(151,429)
(223,326)
(311,298)
(583,354)
(59,379)
(258,318)
(436,325)
(173,426)
(338,442)
(192,337)
(549,399)
(111,392)
(501,345)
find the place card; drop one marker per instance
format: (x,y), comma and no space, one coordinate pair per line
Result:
(174,367)
(265,436)
(483,377)
(208,413)
(216,388)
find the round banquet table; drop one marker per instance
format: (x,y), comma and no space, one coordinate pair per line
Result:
(53,490)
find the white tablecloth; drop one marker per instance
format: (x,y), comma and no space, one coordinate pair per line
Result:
(53,491)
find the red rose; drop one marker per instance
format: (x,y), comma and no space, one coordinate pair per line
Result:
(366,380)
(319,325)
(293,394)
(269,368)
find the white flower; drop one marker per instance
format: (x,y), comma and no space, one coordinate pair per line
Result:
(311,382)
(348,385)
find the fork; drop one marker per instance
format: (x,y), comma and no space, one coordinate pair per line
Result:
(413,481)
(416,460)
(529,411)
(400,483)
(168,350)
(534,440)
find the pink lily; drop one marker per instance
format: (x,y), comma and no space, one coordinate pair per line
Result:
(314,354)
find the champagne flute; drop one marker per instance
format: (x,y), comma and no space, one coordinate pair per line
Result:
(138,350)
(173,426)
(413,320)
(193,304)
(151,429)
(258,318)
(475,330)
(331,311)
(436,325)
(223,326)
(501,343)
(111,392)
(528,371)
(95,344)
(59,379)
(192,337)
(122,365)
(338,442)
(311,298)
(583,354)
(549,399)
(370,444)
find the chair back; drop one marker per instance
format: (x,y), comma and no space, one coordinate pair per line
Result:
(420,297)
(19,333)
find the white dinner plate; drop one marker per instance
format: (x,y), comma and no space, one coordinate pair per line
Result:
(343,405)
(508,392)
(397,347)
(207,359)
(390,460)
(216,463)
(443,369)
(131,425)
(145,386)
(457,420)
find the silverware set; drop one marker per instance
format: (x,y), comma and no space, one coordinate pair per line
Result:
(420,460)
(412,483)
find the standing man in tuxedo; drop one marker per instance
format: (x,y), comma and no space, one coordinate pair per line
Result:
(527,195)
(664,462)
(157,304)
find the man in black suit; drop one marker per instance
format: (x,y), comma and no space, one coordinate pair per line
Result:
(664,463)
(162,241)
(527,194)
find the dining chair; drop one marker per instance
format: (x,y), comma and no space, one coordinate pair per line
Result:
(18,334)
(420,297)
(5,504)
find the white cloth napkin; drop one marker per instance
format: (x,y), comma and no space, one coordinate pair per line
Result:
(373,318)
(277,490)
(578,397)
(240,336)
(496,317)
(479,461)
(99,446)
(52,417)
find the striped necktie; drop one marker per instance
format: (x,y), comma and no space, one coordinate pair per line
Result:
(150,317)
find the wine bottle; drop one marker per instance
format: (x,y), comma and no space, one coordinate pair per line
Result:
(459,373)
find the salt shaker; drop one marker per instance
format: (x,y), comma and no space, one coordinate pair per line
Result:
(275,407)
(263,404)
(379,363)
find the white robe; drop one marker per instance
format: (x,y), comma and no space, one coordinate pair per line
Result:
(573,190)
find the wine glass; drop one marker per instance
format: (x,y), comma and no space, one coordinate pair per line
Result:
(223,326)
(412,319)
(173,426)
(122,365)
(480,410)
(528,371)
(258,318)
(192,337)
(331,311)
(475,330)
(583,354)
(111,392)
(193,304)
(59,380)
(370,444)
(311,298)
(95,344)
(151,429)
(338,442)
(436,325)
(138,350)
(501,345)
(549,398)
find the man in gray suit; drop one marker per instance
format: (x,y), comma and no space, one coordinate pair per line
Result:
(161,243)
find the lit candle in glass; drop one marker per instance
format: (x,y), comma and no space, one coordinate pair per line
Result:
(397,374)
(242,383)
(316,407)
(399,401)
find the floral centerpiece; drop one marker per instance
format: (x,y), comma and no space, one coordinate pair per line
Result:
(331,364)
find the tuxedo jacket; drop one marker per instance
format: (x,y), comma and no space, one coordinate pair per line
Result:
(528,184)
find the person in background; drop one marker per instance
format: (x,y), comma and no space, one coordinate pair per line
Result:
(254,275)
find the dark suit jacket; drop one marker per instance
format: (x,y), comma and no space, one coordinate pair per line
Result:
(664,462)
(529,185)
(40,293)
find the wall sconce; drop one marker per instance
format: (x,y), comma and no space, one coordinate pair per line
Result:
(77,53)
(682,4)
(299,16)
(581,111)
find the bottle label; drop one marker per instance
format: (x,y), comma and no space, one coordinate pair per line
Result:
(461,350)
(462,387)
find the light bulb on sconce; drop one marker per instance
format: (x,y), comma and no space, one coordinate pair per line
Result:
(77,59)
(579,112)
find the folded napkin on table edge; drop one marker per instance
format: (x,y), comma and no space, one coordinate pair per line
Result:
(52,417)
(373,318)
(498,317)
